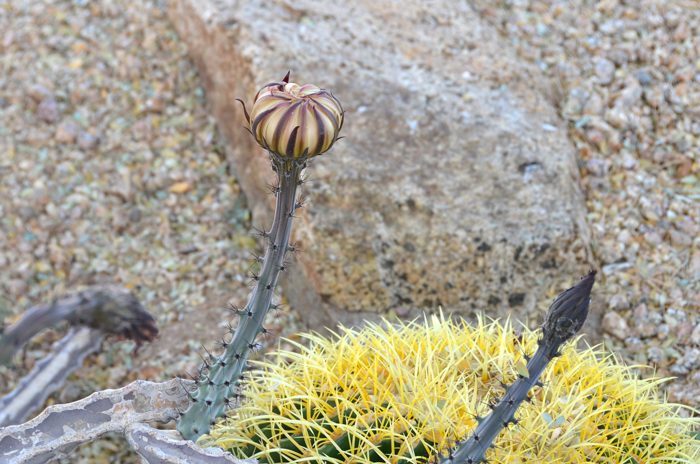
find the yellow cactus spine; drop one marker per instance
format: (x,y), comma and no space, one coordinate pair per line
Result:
(403,394)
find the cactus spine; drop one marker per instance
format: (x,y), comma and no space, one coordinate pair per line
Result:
(220,377)
(563,320)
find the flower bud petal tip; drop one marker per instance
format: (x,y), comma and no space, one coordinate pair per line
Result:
(293,121)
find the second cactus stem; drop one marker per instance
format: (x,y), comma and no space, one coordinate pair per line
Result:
(219,383)
(563,320)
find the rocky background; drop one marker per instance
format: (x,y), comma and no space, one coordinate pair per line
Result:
(112,170)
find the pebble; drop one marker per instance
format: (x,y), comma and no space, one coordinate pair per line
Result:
(689,362)
(619,302)
(87,141)
(616,325)
(695,335)
(48,110)
(605,71)
(680,239)
(67,132)
(629,161)
(38,92)
(645,78)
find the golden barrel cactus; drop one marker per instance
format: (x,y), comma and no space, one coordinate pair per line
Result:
(403,393)
(293,121)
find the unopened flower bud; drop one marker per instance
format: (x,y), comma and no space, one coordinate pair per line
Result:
(295,121)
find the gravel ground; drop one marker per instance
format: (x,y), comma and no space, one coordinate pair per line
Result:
(110,171)
(628,76)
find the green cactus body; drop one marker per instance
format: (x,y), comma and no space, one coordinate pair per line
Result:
(220,380)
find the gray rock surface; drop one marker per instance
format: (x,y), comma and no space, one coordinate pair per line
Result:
(455,185)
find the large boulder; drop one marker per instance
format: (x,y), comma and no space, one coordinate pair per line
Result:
(456,185)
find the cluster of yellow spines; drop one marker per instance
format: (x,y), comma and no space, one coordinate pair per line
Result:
(394,394)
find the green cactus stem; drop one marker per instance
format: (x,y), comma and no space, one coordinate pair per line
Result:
(563,320)
(219,384)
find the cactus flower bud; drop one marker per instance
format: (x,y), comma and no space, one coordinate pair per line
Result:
(293,121)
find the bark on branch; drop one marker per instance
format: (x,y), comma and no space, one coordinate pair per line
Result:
(58,430)
(49,374)
(113,310)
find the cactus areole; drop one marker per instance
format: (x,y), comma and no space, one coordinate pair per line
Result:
(293,123)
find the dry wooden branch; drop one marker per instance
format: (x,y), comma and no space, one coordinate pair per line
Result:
(49,374)
(113,310)
(168,447)
(58,430)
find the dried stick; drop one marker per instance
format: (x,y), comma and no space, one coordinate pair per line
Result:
(113,310)
(168,447)
(58,430)
(49,374)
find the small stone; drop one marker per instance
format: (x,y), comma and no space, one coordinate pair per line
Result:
(70,393)
(48,110)
(645,330)
(630,96)
(142,130)
(618,56)
(605,71)
(645,78)
(629,161)
(615,325)
(656,355)
(689,361)
(16,287)
(154,105)
(135,215)
(594,105)
(596,166)
(119,220)
(625,237)
(38,92)
(679,239)
(653,237)
(180,187)
(695,335)
(683,143)
(67,132)
(619,302)
(87,141)
(618,117)
(681,33)
(694,264)
(683,332)
(594,137)
(641,312)
(687,226)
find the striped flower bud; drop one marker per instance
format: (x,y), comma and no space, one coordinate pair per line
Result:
(295,121)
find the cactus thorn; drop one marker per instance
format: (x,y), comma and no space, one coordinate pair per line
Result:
(261,232)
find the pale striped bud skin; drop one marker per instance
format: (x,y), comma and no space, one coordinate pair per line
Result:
(294,121)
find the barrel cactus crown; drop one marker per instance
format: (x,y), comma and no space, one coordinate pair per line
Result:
(293,121)
(405,393)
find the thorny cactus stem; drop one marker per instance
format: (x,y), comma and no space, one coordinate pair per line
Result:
(563,320)
(220,380)
(301,122)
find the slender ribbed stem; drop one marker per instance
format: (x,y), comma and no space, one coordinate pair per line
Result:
(564,318)
(219,385)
